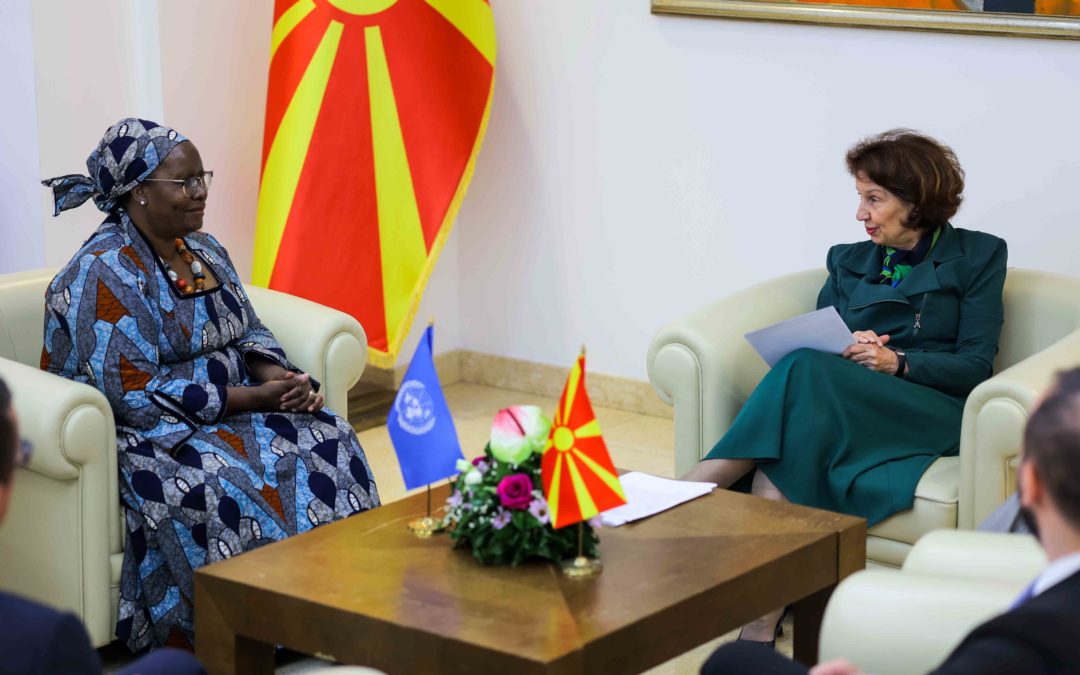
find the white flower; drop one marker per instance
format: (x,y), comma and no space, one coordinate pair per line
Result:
(473,478)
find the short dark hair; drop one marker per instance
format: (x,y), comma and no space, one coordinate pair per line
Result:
(8,442)
(1052,444)
(916,168)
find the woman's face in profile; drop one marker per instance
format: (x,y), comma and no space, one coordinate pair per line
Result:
(883,214)
(172,213)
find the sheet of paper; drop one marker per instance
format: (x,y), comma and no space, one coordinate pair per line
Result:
(822,330)
(647,495)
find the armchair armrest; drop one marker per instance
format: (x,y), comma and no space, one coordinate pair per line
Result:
(977,555)
(994,419)
(329,344)
(704,367)
(889,622)
(70,424)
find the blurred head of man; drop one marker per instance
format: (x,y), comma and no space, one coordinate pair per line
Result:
(9,447)
(1049,474)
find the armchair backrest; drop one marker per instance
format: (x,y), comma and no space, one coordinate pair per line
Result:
(1040,309)
(22,315)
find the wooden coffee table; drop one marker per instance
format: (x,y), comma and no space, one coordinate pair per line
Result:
(364,591)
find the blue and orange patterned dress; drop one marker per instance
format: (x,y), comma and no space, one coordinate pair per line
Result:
(196,485)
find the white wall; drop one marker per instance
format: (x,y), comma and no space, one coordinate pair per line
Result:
(636,166)
(639,166)
(21,245)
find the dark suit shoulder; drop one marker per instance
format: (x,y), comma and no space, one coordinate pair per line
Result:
(841,252)
(40,639)
(1037,637)
(979,245)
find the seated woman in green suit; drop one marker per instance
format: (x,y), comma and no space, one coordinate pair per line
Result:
(923,300)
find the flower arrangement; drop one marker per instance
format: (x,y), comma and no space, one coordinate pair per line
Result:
(496,505)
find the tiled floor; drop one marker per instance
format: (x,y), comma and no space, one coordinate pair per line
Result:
(636,442)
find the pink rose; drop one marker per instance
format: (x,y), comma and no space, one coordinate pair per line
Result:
(515,491)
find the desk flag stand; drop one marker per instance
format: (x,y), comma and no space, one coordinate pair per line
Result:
(582,567)
(422,528)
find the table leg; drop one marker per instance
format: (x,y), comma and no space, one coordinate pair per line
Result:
(217,645)
(808,613)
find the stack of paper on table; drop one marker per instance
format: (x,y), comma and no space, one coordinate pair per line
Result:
(648,495)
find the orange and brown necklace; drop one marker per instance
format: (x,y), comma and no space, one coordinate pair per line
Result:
(196,270)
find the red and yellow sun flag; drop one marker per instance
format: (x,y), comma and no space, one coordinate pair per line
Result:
(579,479)
(374,116)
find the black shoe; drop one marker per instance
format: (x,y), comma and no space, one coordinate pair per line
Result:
(777,632)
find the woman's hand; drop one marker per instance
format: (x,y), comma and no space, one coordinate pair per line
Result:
(290,392)
(864,337)
(873,356)
(300,395)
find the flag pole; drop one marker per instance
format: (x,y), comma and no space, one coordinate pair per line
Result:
(422,528)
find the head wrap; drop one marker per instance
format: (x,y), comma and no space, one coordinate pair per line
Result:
(129,151)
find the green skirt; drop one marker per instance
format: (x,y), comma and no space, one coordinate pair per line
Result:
(835,435)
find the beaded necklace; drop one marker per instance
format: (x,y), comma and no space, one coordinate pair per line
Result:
(196,270)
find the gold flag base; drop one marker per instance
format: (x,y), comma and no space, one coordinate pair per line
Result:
(582,567)
(422,528)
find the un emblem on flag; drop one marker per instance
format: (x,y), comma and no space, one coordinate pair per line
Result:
(414,407)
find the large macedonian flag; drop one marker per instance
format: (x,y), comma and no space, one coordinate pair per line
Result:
(374,116)
(579,479)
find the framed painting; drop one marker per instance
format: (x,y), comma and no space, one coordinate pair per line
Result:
(1027,18)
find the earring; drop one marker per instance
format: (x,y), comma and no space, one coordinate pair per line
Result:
(142,202)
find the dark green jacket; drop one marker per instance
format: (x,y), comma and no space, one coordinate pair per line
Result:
(946,314)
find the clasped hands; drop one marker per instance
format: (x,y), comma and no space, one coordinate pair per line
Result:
(869,350)
(285,390)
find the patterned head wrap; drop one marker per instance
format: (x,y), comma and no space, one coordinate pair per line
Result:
(129,151)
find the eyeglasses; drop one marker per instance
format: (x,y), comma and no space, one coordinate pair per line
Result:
(23,452)
(190,183)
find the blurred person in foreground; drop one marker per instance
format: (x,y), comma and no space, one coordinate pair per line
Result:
(39,640)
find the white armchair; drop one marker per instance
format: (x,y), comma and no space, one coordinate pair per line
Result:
(703,366)
(62,542)
(904,622)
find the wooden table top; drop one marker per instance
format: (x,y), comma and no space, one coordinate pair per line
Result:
(364,590)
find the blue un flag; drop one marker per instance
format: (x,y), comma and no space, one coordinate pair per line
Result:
(420,425)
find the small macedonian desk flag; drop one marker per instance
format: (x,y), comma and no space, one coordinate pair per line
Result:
(579,479)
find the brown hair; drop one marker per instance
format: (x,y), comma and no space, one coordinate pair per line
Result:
(1052,444)
(8,441)
(916,168)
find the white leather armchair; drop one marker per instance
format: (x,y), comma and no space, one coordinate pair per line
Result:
(703,366)
(62,542)
(905,622)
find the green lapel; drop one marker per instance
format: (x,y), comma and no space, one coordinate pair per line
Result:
(922,279)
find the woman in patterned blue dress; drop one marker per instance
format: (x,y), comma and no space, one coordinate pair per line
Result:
(223,444)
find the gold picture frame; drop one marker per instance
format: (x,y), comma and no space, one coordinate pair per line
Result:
(996,23)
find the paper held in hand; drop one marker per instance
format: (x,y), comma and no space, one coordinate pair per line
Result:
(822,330)
(648,495)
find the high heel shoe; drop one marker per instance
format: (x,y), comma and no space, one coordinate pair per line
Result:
(777,632)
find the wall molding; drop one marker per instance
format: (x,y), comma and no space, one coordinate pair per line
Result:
(504,372)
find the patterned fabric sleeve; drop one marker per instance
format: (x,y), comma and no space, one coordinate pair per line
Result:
(258,339)
(100,330)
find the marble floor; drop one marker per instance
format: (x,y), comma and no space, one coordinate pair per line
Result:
(636,442)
